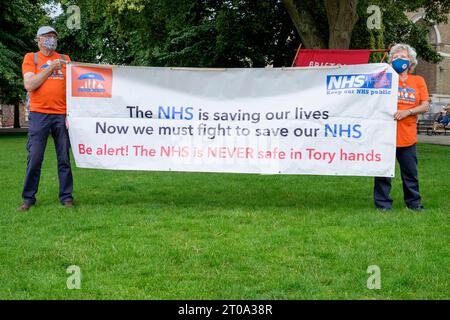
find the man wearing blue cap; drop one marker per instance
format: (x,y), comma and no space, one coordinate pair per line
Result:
(44,77)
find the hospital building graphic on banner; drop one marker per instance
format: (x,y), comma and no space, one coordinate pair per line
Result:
(91,82)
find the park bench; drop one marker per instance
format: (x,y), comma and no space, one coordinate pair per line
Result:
(441,131)
(425,126)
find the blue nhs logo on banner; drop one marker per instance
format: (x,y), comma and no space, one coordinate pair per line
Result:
(381,80)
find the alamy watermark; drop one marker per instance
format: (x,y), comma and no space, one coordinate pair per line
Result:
(374,280)
(74,280)
(374,20)
(74,20)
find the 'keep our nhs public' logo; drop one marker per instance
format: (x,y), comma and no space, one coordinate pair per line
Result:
(91,82)
(375,83)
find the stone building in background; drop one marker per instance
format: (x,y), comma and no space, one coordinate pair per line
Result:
(437,76)
(7,116)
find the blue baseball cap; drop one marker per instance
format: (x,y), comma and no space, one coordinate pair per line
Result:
(45,30)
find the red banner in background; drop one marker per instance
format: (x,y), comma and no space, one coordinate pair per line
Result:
(320,58)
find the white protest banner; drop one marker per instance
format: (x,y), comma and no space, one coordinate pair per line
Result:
(327,121)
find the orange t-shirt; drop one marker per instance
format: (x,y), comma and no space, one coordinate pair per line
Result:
(411,93)
(50,97)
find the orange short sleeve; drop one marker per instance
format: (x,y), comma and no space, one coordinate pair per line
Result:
(28,63)
(422,88)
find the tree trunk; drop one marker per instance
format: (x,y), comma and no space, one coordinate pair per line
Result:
(305,25)
(16,116)
(342,17)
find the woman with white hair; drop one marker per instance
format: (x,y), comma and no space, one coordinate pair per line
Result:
(413,99)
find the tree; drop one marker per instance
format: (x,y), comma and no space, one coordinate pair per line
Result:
(341,24)
(309,16)
(19,20)
(200,33)
(208,33)
(238,33)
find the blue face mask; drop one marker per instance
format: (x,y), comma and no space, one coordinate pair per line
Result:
(400,65)
(50,43)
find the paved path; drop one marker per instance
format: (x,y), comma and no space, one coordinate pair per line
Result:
(13,130)
(435,139)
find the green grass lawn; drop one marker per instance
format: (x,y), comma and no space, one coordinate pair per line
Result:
(167,235)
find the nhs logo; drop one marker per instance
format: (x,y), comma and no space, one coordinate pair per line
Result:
(381,80)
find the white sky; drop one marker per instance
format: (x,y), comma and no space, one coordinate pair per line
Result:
(53,9)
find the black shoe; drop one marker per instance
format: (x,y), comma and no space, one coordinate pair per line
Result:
(419,208)
(24,206)
(383,209)
(68,204)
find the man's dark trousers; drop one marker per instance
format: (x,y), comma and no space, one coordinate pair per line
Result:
(40,126)
(406,157)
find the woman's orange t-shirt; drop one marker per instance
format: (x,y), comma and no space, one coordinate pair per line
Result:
(411,93)
(50,97)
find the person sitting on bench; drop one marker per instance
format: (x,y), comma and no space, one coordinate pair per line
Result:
(443,121)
